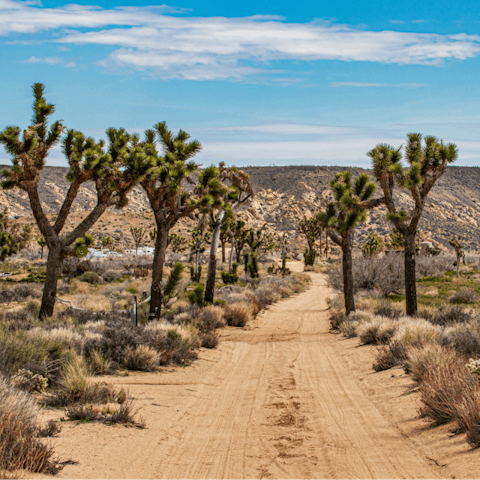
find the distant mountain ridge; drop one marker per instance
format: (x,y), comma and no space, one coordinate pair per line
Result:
(285,194)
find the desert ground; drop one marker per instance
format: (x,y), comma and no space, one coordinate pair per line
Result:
(281,398)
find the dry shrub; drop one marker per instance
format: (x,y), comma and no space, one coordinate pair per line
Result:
(464,337)
(237,314)
(20,447)
(377,330)
(337,317)
(142,358)
(385,358)
(255,304)
(75,386)
(443,387)
(210,318)
(267,294)
(464,296)
(468,413)
(422,359)
(450,316)
(348,329)
(99,365)
(416,332)
(209,339)
(386,309)
(123,414)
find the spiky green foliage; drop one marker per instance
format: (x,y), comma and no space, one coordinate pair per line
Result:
(352,201)
(82,245)
(197,297)
(312,229)
(8,245)
(230,278)
(178,243)
(253,265)
(138,235)
(309,256)
(373,245)
(108,242)
(426,163)
(173,281)
(195,275)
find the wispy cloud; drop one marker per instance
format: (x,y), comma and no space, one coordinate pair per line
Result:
(207,48)
(372,84)
(47,60)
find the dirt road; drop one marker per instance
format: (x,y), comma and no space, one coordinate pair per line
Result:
(274,401)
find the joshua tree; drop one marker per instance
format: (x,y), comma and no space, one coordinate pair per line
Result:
(312,229)
(225,236)
(138,234)
(108,242)
(227,188)
(177,243)
(200,237)
(458,247)
(373,245)
(41,242)
(427,164)
(240,233)
(87,162)
(350,208)
(164,177)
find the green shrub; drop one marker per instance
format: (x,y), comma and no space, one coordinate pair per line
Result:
(230,278)
(197,297)
(90,277)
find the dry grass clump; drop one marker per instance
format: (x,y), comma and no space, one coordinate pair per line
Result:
(464,337)
(20,293)
(65,335)
(449,316)
(142,357)
(210,318)
(267,294)
(377,330)
(444,385)
(464,296)
(386,309)
(348,325)
(99,365)
(237,314)
(20,447)
(209,339)
(416,332)
(123,415)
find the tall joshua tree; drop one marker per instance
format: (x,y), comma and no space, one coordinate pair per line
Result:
(351,205)
(426,164)
(87,162)
(227,188)
(164,176)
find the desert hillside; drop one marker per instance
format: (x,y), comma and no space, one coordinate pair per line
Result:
(283,196)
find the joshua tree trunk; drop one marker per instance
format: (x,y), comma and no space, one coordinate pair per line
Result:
(230,260)
(347,264)
(410,285)
(157,270)
(224,253)
(212,264)
(54,263)
(458,265)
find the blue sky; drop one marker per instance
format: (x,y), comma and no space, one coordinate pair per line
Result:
(258,83)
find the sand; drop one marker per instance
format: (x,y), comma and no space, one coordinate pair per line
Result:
(282,398)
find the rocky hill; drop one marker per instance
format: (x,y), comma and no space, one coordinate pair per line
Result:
(283,196)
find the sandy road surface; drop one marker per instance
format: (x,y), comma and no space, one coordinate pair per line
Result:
(274,401)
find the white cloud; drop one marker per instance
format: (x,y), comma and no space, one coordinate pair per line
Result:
(47,60)
(70,65)
(148,39)
(369,84)
(285,129)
